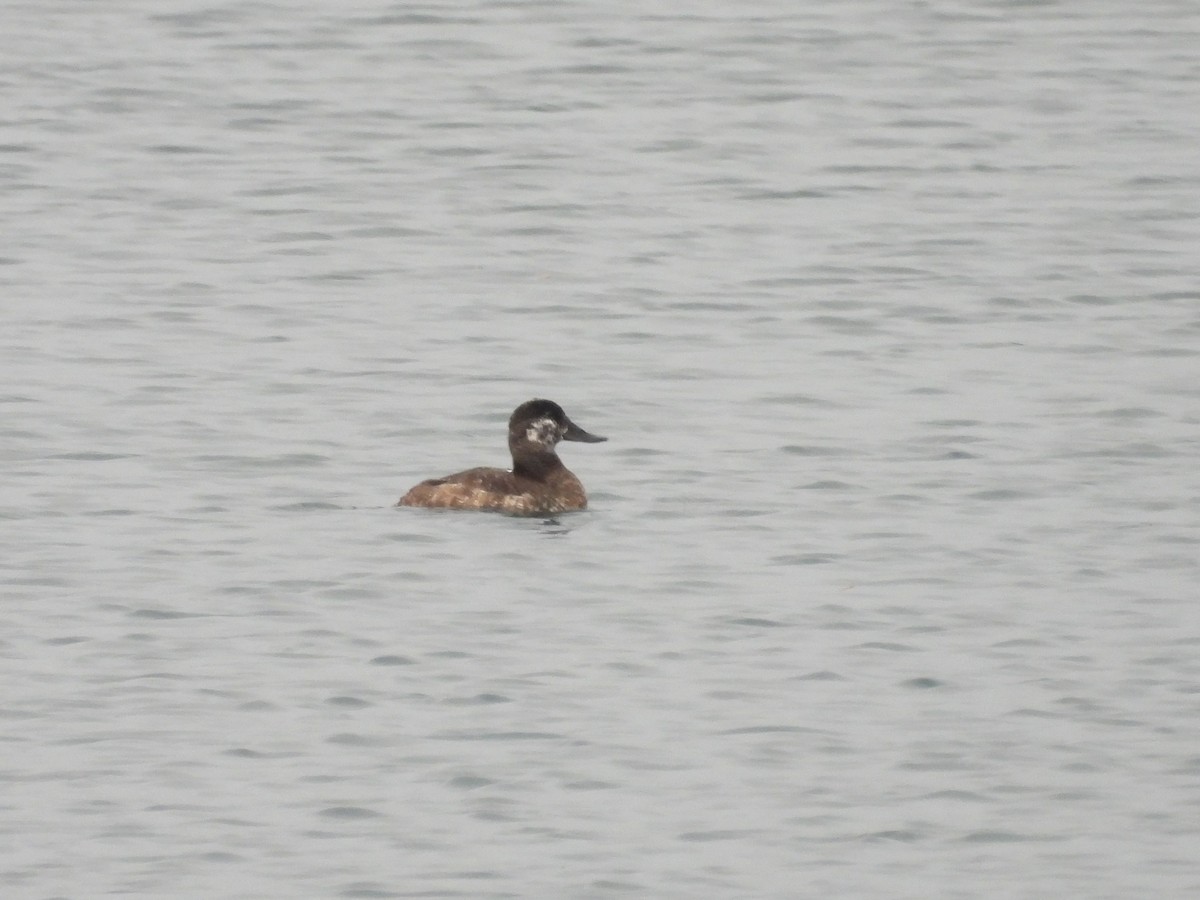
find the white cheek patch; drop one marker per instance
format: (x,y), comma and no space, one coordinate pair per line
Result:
(543,431)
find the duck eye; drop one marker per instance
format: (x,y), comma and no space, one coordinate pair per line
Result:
(543,431)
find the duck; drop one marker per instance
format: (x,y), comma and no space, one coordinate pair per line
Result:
(538,483)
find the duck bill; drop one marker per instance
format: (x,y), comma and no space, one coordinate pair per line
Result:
(575,433)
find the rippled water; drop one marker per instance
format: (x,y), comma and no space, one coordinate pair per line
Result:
(890,313)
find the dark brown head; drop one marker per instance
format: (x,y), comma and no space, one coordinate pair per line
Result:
(538,426)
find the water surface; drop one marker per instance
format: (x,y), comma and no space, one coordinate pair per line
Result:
(887,589)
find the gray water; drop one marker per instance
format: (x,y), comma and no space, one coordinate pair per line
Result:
(888,588)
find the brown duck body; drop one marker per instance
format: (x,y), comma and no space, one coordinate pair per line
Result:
(486,488)
(539,484)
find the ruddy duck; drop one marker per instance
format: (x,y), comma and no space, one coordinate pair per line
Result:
(539,484)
